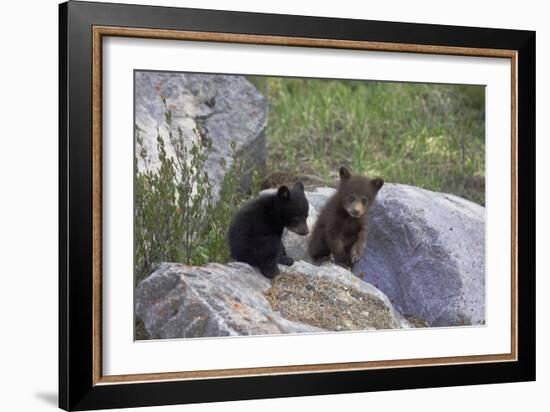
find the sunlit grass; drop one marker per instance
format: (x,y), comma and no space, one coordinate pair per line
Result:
(431,136)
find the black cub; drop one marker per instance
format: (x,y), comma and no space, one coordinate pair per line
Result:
(341,229)
(256,229)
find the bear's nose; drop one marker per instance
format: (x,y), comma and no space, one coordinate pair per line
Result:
(301,229)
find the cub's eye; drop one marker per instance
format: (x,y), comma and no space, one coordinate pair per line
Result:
(351,198)
(364,200)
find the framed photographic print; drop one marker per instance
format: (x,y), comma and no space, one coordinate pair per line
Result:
(257,205)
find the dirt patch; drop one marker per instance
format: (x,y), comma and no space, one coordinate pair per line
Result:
(326,304)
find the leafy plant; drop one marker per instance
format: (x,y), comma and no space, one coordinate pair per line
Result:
(177,218)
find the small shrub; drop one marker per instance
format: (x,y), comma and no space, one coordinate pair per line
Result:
(176,218)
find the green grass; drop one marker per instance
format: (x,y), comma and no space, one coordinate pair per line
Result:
(431,136)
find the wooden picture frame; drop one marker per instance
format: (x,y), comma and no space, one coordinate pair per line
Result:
(82,27)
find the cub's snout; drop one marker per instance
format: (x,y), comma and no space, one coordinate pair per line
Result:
(300,229)
(356,208)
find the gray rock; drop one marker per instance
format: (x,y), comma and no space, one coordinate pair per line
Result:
(179,301)
(296,245)
(425,251)
(332,298)
(219,108)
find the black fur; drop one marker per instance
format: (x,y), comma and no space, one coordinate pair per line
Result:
(256,229)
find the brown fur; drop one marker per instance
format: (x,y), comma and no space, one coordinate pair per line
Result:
(341,229)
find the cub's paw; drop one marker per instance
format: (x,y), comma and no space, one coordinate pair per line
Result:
(345,263)
(355,255)
(320,260)
(269,271)
(286,260)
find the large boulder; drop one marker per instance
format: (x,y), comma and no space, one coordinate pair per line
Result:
(219,109)
(178,301)
(425,251)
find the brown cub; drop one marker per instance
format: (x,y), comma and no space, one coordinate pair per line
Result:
(341,229)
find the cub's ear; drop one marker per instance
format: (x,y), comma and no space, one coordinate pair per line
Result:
(283,193)
(298,186)
(377,183)
(345,174)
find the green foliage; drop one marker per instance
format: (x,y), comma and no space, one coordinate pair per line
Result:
(177,218)
(231,199)
(427,135)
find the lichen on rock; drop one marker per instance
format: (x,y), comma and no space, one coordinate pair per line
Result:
(179,301)
(325,304)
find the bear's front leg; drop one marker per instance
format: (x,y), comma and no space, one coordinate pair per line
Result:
(358,249)
(284,259)
(269,270)
(338,250)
